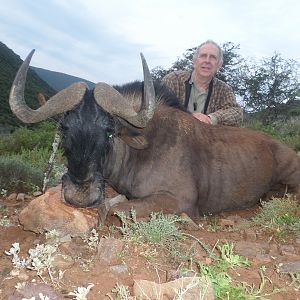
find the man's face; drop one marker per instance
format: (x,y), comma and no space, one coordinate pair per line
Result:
(207,63)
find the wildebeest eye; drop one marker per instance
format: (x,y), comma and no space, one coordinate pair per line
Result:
(63,127)
(109,134)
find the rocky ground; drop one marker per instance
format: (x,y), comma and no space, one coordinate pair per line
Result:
(103,262)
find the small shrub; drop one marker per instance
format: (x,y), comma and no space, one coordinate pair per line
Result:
(4,221)
(222,283)
(17,261)
(218,273)
(122,292)
(41,258)
(81,292)
(159,230)
(92,239)
(19,176)
(230,259)
(281,215)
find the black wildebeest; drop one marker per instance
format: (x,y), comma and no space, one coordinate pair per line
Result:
(138,140)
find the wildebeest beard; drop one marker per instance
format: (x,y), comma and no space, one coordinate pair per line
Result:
(86,131)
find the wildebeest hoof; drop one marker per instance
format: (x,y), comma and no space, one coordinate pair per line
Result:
(106,206)
(124,208)
(102,213)
(116,200)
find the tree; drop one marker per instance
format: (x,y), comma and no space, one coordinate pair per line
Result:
(158,73)
(185,63)
(266,86)
(233,66)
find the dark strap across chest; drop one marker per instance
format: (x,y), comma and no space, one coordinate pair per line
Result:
(188,88)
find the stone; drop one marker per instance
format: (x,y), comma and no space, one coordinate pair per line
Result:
(33,290)
(225,223)
(12,196)
(119,269)
(21,197)
(108,250)
(261,259)
(290,267)
(249,235)
(63,262)
(49,212)
(251,249)
(37,194)
(287,249)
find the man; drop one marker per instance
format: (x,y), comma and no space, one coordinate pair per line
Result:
(209,99)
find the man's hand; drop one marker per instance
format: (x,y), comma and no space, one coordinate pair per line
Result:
(202,117)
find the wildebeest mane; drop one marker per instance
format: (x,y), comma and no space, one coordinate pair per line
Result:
(164,96)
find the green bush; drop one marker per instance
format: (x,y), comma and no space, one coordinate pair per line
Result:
(38,158)
(19,176)
(25,154)
(286,132)
(27,138)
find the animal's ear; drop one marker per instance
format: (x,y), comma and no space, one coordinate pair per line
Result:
(132,136)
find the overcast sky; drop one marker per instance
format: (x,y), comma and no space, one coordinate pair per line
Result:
(100,40)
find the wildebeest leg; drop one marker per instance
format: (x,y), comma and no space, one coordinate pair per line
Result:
(279,191)
(107,204)
(154,203)
(297,193)
(288,170)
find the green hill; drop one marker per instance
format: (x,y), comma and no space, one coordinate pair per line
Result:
(58,80)
(9,64)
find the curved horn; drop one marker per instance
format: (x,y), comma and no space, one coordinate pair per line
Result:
(61,102)
(149,92)
(113,102)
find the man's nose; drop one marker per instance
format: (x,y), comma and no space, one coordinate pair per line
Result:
(207,58)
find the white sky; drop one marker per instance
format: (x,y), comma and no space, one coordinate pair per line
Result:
(100,40)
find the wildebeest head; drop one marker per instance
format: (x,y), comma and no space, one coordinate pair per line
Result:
(88,124)
(86,132)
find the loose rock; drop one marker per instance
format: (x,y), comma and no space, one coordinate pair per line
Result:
(291,267)
(108,250)
(48,212)
(33,290)
(21,197)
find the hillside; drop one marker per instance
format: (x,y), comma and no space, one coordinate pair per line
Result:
(58,80)
(9,64)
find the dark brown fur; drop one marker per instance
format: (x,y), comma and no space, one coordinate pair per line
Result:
(197,168)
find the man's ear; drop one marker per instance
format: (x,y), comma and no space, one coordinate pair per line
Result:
(131,135)
(220,64)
